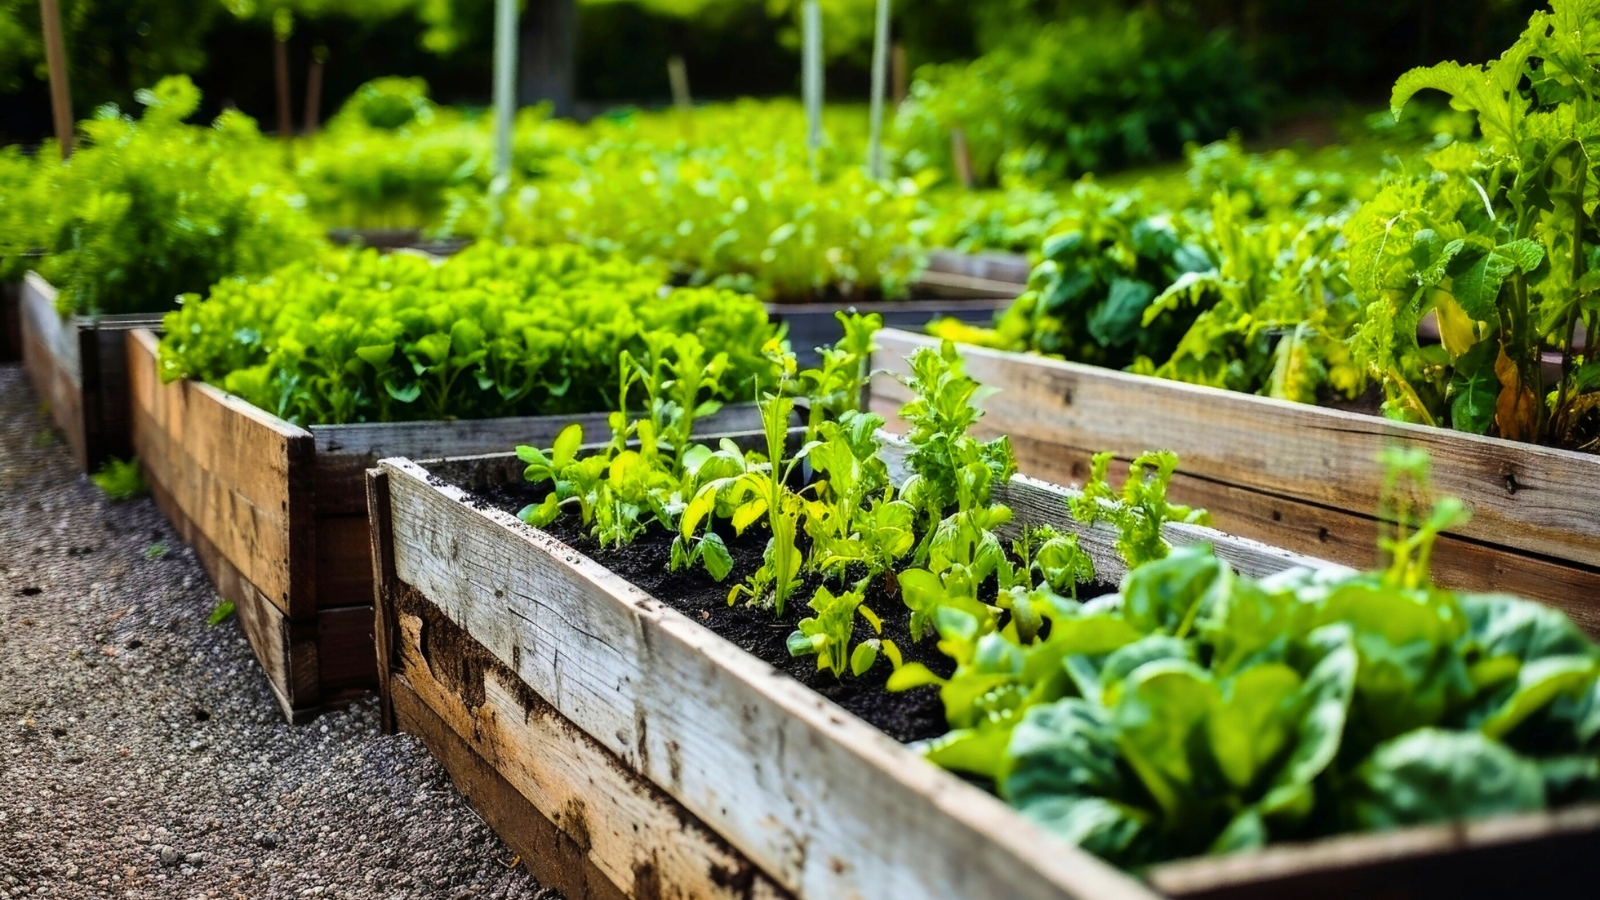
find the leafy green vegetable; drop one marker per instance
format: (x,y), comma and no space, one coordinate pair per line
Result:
(493,331)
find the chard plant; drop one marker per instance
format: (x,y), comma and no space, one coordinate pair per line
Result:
(1498,241)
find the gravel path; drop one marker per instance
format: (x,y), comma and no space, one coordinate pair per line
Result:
(141,754)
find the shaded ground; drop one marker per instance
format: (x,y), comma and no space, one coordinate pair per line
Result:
(141,754)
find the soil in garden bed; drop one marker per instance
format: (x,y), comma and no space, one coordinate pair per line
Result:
(907,716)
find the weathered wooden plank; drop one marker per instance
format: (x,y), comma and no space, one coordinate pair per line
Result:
(1009,268)
(345,452)
(50,353)
(759,758)
(1545,855)
(1536,510)
(243,477)
(554,857)
(344,561)
(385,636)
(627,830)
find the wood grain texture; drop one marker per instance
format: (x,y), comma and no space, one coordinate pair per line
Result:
(345,452)
(240,475)
(1546,855)
(1536,511)
(384,633)
(627,830)
(50,354)
(762,760)
(344,561)
(555,858)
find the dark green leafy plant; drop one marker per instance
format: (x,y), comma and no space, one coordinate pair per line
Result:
(1198,711)
(1082,95)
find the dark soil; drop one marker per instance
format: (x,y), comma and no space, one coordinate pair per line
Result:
(909,716)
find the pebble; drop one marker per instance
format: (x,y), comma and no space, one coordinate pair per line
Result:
(141,753)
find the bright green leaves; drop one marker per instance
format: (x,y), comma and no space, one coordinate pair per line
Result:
(1140,510)
(828,634)
(491,332)
(1169,594)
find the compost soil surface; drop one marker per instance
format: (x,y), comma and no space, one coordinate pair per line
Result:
(141,752)
(913,715)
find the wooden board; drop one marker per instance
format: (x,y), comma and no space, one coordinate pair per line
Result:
(1007,268)
(779,773)
(1545,855)
(762,760)
(79,366)
(1299,476)
(240,475)
(813,325)
(281,514)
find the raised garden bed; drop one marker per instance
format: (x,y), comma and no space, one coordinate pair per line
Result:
(79,366)
(628,750)
(1303,477)
(278,515)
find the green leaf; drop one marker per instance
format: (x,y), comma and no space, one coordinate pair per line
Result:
(220,613)
(1162,705)
(1254,720)
(714,556)
(862,657)
(566,446)
(1169,594)
(912,675)
(1474,388)
(1431,775)
(1476,281)
(1538,684)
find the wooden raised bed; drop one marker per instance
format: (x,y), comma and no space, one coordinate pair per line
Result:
(1303,477)
(626,751)
(278,515)
(79,366)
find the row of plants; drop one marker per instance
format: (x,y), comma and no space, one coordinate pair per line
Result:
(358,336)
(1190,710)
(1266,287)
(152,207)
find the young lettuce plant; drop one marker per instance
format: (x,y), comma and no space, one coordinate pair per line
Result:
(760,490)
(837,386)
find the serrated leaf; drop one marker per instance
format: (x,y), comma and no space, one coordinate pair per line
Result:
(1476,284)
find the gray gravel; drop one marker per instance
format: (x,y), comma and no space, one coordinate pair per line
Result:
(141,754)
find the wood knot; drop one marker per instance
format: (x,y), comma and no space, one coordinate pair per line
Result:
(1512,486)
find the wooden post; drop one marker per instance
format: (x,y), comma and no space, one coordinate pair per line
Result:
(811,73)
(901,73)
(880,77)
(280,71)
(55,53)
(505,108)
(678,75)
(319,57)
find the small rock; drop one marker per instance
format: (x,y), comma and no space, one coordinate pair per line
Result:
(195,859)
(267,839)
(169,856)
